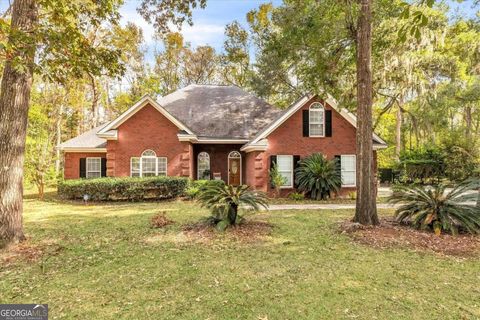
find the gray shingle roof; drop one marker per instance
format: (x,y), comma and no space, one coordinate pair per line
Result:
(88,139)
(220,111)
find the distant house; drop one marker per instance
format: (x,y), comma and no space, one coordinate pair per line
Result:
(216,132)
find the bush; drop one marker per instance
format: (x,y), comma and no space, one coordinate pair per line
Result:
(318,176)
(224,202)
(296,196)
(432,208)
(196,186)
(133,189)
(160,220)
(422,165)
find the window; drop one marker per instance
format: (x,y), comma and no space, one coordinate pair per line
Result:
(285,168)
(203,166)
(316,120)
(349,171)
(162,166)
(135,167)
(148,165)
(94,168)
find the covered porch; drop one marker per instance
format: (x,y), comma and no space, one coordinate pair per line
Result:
(219,161)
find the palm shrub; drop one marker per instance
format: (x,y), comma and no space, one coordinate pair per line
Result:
(225,200)
(433,208)
(318,176)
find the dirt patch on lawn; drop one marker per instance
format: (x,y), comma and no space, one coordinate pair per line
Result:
(392,234)
(248,231)
(28,251)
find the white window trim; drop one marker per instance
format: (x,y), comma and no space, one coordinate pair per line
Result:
(291,172)
(228,165)
(148,157)
(86,167)
(322,110)
(209,164)
(354,170)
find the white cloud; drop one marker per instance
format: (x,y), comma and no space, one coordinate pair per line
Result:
(197,35)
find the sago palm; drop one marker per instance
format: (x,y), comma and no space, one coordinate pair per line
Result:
(225,200)
(318,176)
(432,207)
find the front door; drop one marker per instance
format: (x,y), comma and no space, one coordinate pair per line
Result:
(234,171)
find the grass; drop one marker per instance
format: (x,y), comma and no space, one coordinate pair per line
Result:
(103,261)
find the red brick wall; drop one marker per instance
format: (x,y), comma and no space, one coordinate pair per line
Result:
(288,140)
(148,129)
(72,163)
(218,158)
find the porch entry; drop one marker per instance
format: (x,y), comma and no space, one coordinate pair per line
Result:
(234,168)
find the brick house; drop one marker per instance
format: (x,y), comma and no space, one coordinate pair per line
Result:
(217,132)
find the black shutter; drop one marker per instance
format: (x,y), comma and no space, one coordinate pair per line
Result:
(328,123)
(338,161)
(104,167)
(305,123)
(296,164)
(273,161)
(83,167)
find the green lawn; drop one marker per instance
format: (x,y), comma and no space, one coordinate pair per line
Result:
(105,262)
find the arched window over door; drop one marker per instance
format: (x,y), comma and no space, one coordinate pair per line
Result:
(203,166)
(235,168)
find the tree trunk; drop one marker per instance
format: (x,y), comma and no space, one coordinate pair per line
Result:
(14,103)
(468,122)
(232,214)
(398,133)
(58,136)
(366,208)
(95,98)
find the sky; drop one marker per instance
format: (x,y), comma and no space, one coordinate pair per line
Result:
(209,23)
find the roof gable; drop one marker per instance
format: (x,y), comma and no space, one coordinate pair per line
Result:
(144,101)
(296,106)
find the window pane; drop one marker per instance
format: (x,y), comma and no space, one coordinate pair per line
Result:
(203,166)
(348,170)
(162,166)
(148,166)
(148,153)
(94,166)
(348,178)
(135,167)
(348,163)
(284,163)
(316,116)
(316,129)
(288,178)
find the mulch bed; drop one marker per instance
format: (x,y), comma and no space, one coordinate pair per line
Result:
(28,252)
(392,234)
(247,231)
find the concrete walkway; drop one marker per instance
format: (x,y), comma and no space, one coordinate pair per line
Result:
(327,206)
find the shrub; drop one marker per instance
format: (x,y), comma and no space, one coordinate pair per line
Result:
(224,202)
(296,196)
(318,176)
(422,165)
(276,179)
(160,220)
(196,186)
(133,189)
(439,211)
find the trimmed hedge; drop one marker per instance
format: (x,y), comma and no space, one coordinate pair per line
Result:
(132,189)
